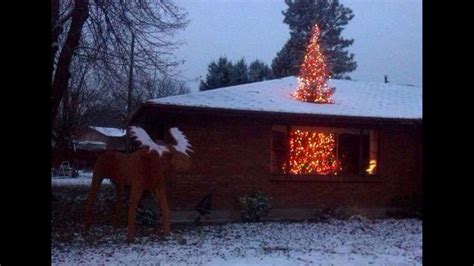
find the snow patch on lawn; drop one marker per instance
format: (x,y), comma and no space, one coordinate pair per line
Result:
(336,242)
(84,179)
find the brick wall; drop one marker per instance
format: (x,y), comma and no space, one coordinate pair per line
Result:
(233,157)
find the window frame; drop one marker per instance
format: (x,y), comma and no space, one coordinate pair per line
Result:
(279,176)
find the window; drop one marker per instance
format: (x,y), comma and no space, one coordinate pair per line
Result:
(324,151)
(279,147)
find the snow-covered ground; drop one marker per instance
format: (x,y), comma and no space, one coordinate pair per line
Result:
(84,179)
(356,241)
(335,242)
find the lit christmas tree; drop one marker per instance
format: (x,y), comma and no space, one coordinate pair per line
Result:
(312,86)
(312,153)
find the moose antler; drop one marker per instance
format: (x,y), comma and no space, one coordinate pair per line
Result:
(140,135)
(183,144)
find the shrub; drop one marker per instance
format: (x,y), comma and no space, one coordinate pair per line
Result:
(148,212)
(254,206)
(147,216)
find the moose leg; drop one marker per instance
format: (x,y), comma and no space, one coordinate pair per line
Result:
(158,202)
(160,192)
(135,196)
(118,204)
(96,182)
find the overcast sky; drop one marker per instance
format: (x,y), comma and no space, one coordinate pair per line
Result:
(387,36)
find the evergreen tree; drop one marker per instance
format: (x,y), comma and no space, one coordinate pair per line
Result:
(219,74)
(301,16)
(239,73)
(223,73)
(259,71)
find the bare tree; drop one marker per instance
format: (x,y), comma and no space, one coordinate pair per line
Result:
(73,15)
(101,31)
(158,87)
(79,99)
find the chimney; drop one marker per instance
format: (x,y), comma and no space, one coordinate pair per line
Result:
(386,78)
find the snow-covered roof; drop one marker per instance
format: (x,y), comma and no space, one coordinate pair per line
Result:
(352,98)
(110,131)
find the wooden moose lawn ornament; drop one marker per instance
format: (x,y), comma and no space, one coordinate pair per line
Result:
(145,169)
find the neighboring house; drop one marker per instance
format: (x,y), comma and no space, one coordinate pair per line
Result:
(362,154)
(101,138)
(93,141)
(89,145)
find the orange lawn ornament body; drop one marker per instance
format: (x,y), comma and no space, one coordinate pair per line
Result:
(144,169)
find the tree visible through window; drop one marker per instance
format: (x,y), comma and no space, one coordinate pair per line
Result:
(324,151)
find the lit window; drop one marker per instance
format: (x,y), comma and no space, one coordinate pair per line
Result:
(324,151)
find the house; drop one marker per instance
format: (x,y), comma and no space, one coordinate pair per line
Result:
(92,141)
(101,138)
(362,154)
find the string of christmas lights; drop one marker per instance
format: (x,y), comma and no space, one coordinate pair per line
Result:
(312,153)
(312,80)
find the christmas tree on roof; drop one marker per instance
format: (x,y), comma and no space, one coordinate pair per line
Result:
(312,80)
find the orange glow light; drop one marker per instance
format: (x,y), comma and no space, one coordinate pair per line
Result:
(372,167)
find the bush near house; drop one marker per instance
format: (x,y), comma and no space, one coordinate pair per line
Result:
(254,206)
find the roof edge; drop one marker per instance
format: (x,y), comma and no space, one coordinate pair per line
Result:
(236,112)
